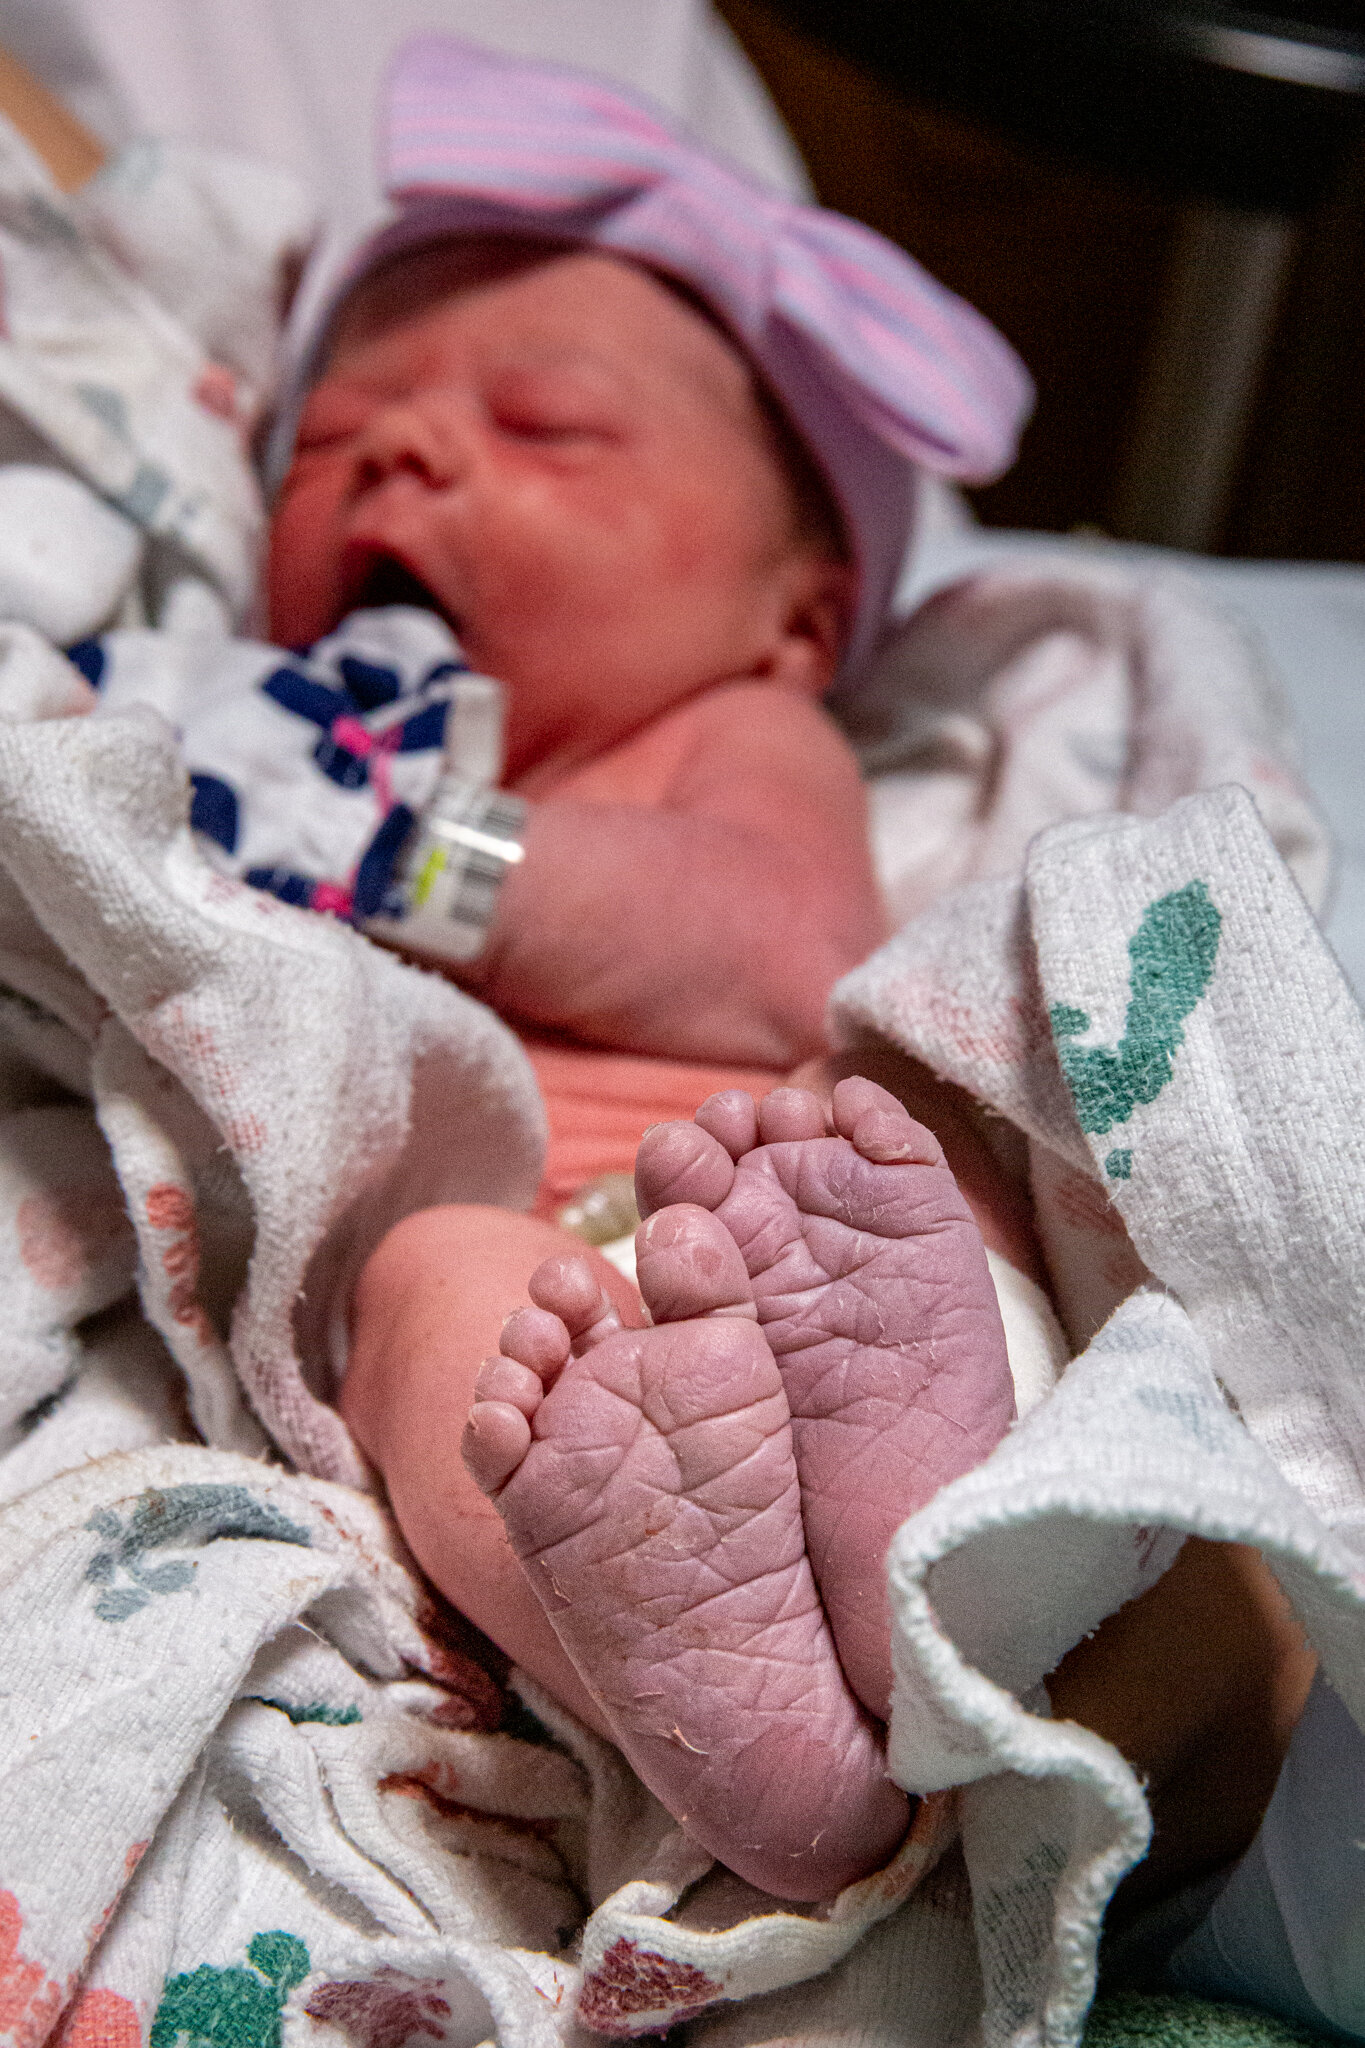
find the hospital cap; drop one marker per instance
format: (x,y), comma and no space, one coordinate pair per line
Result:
(881,370)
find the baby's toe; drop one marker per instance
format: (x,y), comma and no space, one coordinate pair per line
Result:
(496,1438)
(880,1128)
(789,1115)
(567,1289)
(681,1162)
(688,1265)
(537,1339)
(731,1117)
(516,1386)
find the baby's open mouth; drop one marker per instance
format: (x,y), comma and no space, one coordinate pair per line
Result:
(386,580)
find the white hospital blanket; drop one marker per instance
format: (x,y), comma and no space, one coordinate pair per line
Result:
(1309,618)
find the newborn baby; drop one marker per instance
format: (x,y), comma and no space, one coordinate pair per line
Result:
(567,456)
(583,473)
(679,1530)
(649,438)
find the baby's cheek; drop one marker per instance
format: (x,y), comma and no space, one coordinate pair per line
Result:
(303,562)
(564,572)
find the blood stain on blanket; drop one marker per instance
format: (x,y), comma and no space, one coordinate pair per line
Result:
(30,2000)
(132,1857)
(384,2011)
(1086,1207)
(64,1232)
(183,1045)
(417,1785)
(1084,1204)
(216,391)
(631,1982)
(245,1133)
(1265,768)
(1009,1039)
(477,1704)
(457,1656)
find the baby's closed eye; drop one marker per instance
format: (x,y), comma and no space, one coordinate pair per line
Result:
(557,407)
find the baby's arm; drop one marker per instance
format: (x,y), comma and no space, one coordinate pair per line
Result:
(696,892)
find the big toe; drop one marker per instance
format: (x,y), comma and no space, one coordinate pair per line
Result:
(681,1162)
(688,1265)
(880,1128)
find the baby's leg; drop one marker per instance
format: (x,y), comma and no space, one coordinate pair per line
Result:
(871,1285)
(429,1309)
(648,1484)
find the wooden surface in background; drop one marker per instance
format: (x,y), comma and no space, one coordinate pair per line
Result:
(1301,487)
(1069,264)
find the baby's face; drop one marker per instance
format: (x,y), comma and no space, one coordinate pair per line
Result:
(572,465)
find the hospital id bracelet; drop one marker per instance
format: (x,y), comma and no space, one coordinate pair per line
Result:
(458,855)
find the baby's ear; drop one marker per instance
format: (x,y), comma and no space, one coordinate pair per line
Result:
(813,628)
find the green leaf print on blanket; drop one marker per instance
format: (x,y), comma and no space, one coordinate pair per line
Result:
(303,1711)
(1171,956)
(232,2007)
(173,1514)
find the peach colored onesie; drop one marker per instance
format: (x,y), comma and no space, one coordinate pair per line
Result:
(600,1104)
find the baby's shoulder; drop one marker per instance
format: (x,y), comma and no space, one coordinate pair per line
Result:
(766,751)
(764,718)
(741,740)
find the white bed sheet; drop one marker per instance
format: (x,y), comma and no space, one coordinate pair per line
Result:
(1309,618)
(295,82)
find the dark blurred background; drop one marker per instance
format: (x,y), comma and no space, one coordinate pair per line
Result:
(1162,207)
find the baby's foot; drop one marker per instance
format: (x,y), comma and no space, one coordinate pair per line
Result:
(647,1483)
(871,1285)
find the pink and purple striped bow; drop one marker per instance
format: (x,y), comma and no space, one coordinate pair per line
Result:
(881,368)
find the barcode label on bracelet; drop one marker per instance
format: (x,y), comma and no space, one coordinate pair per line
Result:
(464,848)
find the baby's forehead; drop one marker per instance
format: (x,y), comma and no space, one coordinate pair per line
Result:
(472,297)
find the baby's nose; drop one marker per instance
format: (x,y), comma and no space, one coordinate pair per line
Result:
(413,439)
